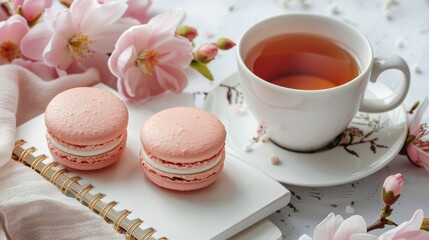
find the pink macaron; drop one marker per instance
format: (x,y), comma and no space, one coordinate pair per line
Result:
(183,148)
(86,128)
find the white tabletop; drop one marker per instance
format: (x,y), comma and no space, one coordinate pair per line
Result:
(406,34)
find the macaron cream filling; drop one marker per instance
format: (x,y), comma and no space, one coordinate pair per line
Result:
(85,153)
(163,168)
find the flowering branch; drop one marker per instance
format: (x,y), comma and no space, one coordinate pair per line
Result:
(206,52)
(335,227)
(138,56)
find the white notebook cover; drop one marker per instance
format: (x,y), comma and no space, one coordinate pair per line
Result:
(239,198)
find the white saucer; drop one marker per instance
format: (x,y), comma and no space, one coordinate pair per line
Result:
(326,168)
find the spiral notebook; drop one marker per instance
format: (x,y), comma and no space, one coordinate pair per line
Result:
(121,194)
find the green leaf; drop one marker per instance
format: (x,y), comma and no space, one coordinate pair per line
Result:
(202,68)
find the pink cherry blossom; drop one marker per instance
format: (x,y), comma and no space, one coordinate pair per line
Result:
(30,9)
(77,38)
(334,227)
(409,230)
(418,149)
(149,59)
(11,33)
(392,188)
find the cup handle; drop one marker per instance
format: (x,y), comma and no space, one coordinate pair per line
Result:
(380,65)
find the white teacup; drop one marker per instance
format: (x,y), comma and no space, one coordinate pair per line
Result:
(307,120)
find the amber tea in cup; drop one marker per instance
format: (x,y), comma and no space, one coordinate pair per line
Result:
(309,51)
(302,61)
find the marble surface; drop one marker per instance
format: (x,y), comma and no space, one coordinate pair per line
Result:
(405,32)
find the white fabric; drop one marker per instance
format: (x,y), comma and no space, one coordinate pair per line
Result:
(30,206)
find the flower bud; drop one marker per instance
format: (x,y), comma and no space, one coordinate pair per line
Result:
(187,31)
(392,188)
(205,53)
(224,43)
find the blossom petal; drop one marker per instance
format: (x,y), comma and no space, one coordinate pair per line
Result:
(326,229)
(155,87)
(413,224)
(82,9)
(178,51)
(418,156)
(305,237)
(60,21)
(414,235)
(104,41)
(35,41)
(167,22)
(13,29)
(137,9)
(350,226)
(56,53)
(136,87)
(415,123)
(99,62)
(363,236)
(33,8)
(171,77)
(103,16)
(141,37)
(74,68)
(126,59)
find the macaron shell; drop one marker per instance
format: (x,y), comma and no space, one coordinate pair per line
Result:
(183,182)
(88,162)
(183,135)
(86,116)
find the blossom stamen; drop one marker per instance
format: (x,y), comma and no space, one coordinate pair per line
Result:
(79,46)
(146,61)
(9,51)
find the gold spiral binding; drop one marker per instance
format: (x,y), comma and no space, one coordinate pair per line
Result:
(19,143)
(106,210)
(83,192)
(118,220)
(150,232)
(132,228)
(37,161)
(54,176)
(47,167)
(71,180)
(25,153)
(94,201)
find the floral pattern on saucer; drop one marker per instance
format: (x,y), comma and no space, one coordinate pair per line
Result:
(369,143)
(362,131)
